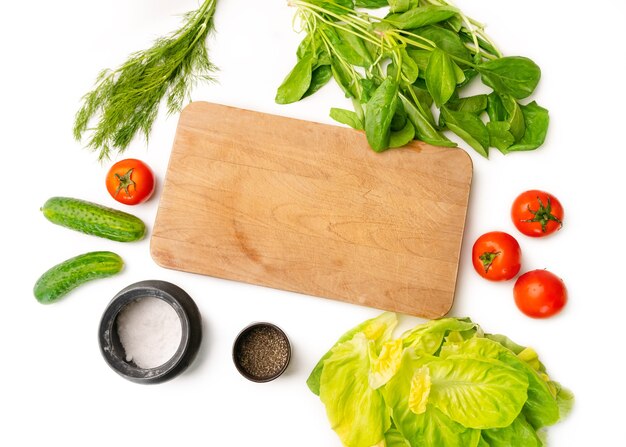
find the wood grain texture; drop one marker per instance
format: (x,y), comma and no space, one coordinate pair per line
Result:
(310,208)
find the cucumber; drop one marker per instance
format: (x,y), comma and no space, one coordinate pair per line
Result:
(66,276)
(94,219)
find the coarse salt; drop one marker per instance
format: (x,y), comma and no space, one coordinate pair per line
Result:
(150,332)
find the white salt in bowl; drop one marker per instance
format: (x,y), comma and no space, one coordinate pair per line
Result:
(143,340)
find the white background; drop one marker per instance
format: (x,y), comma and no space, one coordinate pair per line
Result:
(55,388)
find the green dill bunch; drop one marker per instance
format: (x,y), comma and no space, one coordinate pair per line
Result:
(126,101)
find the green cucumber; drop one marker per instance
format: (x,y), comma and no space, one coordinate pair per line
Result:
(66,276)
(94,219)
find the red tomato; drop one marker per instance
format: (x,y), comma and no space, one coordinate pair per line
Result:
(497,256)
(537,213)
(130,181)
(540,294)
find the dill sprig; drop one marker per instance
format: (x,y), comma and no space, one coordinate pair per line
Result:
(126,101)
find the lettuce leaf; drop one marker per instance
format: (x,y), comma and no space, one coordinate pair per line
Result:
(383,366)
(442,383)
(520,432)
(378,329)
(430,427)
(564,400)
(357,412)
(541,408)
(477,393)
(393,438)
(428,337)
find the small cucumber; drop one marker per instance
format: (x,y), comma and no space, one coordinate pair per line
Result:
(66,276)
(91,218)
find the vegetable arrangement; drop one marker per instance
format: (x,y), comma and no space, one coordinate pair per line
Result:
(397,67)
(496,255)
(93,219)
(125,101)
(443,383)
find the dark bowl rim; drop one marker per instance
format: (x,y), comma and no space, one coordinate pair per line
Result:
(187,312)
(243,332)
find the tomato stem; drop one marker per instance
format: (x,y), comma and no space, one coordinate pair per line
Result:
(543,215)
(124,182)
(487,259)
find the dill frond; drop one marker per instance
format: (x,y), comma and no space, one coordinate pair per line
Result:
(126,101)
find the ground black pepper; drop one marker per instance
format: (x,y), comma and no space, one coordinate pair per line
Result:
(262,352)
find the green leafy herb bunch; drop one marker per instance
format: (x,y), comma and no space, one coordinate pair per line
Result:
(125,101)
(406,73)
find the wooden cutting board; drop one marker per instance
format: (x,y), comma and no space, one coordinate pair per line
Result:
(310,208)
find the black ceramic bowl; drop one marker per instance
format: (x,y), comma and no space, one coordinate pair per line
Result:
(261,352)
(191,336)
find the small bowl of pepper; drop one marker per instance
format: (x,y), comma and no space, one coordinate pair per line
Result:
(261,352)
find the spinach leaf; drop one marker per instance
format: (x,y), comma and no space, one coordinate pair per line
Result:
(348,46)
(421,16)
(347,117)
(470,73)
(399,118)
(409,68)
(296,83)
(470,128)
(499,135)
(421,59)
(368,87)
(476,104)
(495,108)
(397,6)
(424,129)
(319,78)
(537,120)
(459,74)
(485,46)
(306,49)
(516,76)
(514,116)
(430,50)
(370,3)
(446,40)
(455,23)
(403,136)
(441,77)
(379,113)
(345,78)
(335,6)
(424,98)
